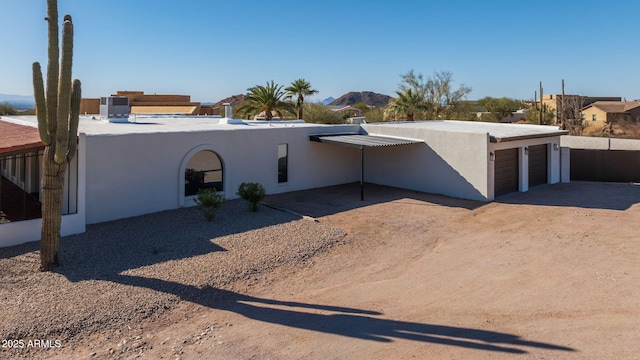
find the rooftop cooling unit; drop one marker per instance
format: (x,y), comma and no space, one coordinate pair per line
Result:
(115,108)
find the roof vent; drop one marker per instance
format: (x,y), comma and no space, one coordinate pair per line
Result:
(228,116)
(228,110)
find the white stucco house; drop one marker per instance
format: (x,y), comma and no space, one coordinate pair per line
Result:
(156,163)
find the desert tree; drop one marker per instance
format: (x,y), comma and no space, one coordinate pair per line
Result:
(58,114)
(540,114)
(571,114)
(438,93)
(405,105)
(269,98)
(299,88)
(500,108)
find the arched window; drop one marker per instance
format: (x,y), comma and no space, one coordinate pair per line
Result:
(204,171)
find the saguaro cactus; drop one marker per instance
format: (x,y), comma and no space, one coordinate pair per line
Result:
(58,115)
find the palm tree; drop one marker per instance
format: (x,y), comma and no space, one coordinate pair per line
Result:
(406,104)
(300,88)
(267,99)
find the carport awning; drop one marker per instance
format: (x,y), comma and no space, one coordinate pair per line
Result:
(359,141)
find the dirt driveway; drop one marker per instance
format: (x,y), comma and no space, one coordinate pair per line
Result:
(552,273)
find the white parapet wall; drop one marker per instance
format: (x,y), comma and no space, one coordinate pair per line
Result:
(624,144)
(19,232)
(584,142)
(599,143)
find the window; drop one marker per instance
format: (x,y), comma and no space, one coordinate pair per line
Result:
(283,156)
(594,117)
(204,171)
(584,117)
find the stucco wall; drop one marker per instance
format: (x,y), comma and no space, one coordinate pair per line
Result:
(598,143)
(130,175)
(601,117)
(450,163)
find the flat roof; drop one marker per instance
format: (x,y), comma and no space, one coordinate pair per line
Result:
(92,125)
(498,132)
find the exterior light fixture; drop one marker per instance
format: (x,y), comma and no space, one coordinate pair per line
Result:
(555,147)
(526,150)
(492,156)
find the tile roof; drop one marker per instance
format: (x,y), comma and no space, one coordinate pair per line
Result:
(17,139)
(615,106)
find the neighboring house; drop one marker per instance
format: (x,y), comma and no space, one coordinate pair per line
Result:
(158,163)
(602,113)
(347,110)
(141,103)
(554,102)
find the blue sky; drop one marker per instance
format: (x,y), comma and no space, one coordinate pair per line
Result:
(211,49)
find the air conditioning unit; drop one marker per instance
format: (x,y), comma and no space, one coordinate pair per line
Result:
(115,108)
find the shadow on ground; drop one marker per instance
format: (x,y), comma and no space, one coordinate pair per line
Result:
(155,238)
(590,195)
(335,199)
(343,321)
(91,255)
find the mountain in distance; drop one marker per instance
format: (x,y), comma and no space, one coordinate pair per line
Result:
(368,97)
(233,100)
(328,100)
(18,101)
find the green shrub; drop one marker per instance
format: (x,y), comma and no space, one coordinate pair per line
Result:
(253,193)
(209,201)
(7,109)
(318,113)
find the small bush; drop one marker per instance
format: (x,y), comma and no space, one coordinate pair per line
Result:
(7,109)
(209,201)
(253,193)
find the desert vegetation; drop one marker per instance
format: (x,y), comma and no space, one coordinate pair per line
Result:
(58,116)
(208,200)
(7,109)
(253,193)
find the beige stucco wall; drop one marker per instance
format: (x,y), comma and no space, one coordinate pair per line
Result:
(601,117)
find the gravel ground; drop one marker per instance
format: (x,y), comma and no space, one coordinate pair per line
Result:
(123,272)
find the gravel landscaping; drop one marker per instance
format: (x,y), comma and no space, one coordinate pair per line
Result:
(123,272)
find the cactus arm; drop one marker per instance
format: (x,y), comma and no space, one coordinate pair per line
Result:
(53,66)
(74,118)
(64,93)
(41,105)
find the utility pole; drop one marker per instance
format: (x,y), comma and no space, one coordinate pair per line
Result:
(541,113)
(563,116)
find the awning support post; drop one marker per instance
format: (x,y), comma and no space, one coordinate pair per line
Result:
(361,172)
